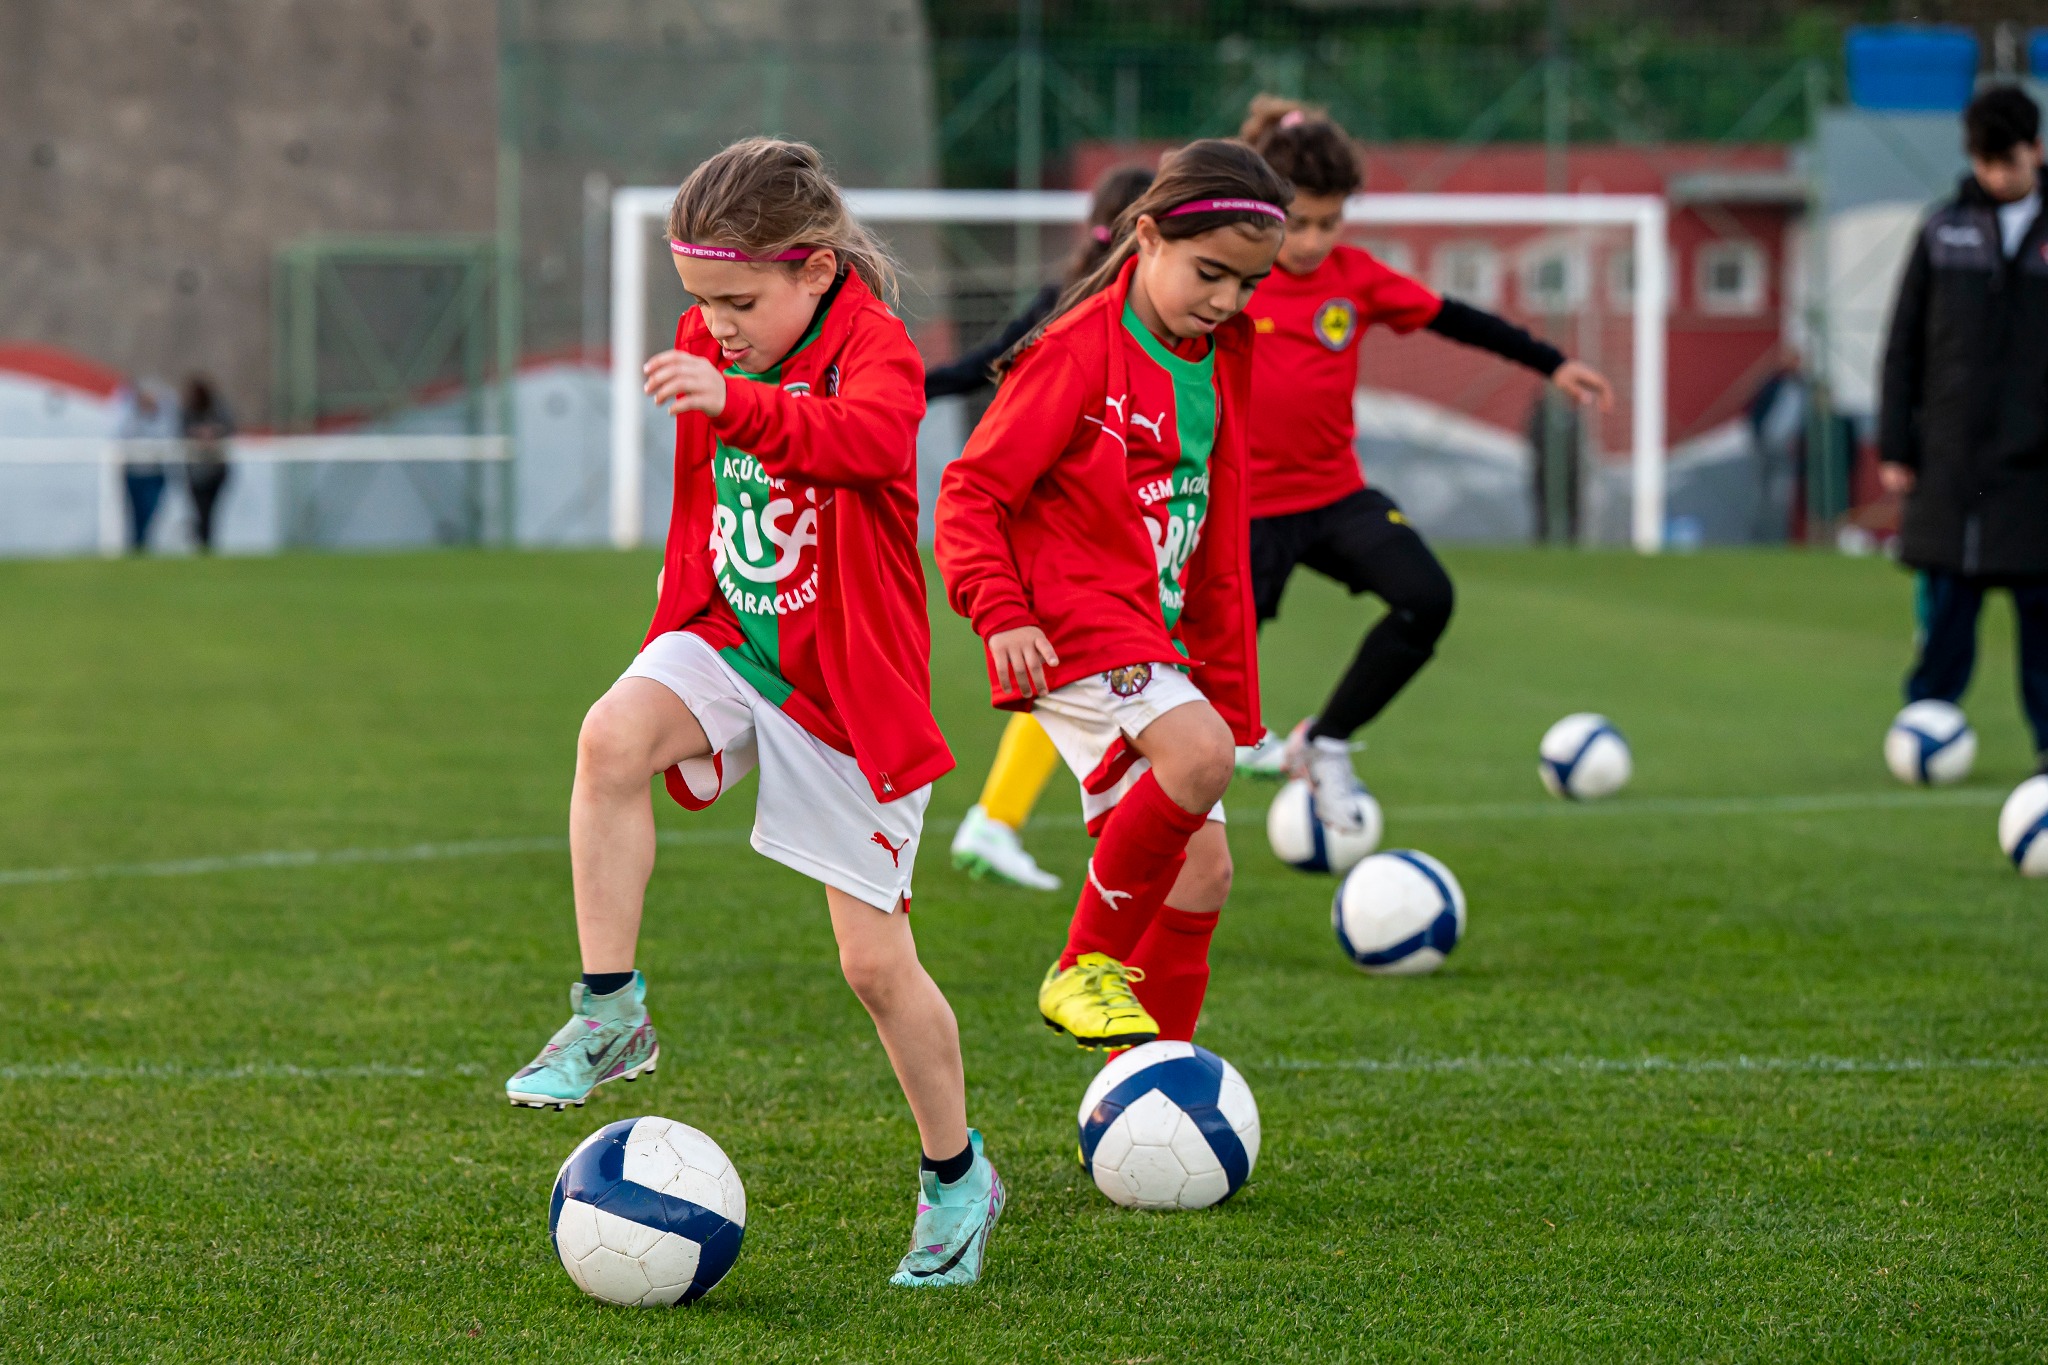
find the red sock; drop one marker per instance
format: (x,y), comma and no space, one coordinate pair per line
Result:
(1142,847)
(1175,957)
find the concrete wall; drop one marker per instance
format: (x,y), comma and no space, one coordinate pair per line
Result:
(156,153)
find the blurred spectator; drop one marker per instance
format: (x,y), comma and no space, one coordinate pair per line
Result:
(148,413)
(1556,441)
(205,423)
(1963,430)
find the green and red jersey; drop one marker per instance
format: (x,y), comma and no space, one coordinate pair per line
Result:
(1305,371)
(1086,489)
(820,591)
(1172,430)
(764,555)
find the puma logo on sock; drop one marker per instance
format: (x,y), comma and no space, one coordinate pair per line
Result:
(1109,897)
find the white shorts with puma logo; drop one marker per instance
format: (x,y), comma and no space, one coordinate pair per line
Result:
(815,811)
(1091,722)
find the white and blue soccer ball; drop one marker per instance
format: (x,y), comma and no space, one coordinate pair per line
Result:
(2023,827)
(1930,744)
(648,1213)
(1169,1126)
(1399,913)
(1300,838)
(1583,757)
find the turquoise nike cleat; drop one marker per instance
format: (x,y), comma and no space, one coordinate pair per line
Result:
(953,1225)
(608,1038)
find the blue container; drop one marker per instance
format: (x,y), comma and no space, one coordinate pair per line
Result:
(2037,53)
(1911,66)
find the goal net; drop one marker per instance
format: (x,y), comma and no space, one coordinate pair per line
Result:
(1469,444)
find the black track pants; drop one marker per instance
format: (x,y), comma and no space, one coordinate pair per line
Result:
(1363,542)
(1949,603)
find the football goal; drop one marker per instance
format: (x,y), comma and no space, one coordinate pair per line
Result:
(1450,431)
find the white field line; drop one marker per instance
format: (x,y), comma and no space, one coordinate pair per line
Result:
(1706,806)
(254,1071)
(1562,1065)
(1568,1064)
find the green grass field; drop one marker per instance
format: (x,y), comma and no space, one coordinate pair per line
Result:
(1748,1063)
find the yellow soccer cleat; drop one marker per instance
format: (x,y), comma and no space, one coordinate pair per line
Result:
(1092,1002)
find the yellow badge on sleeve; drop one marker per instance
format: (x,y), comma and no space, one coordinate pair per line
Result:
(1335,323)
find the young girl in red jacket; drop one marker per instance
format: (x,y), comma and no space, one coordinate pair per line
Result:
(1310,504)
(1095,533)
(790,635)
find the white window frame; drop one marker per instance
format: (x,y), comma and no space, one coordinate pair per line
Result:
(1753,295)
(1621,279)
(1393,253)
(1569,254)
(1486,287)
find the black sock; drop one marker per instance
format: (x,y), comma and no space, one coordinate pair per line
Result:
(953,1168)
(604,983)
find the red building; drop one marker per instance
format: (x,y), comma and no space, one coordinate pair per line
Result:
(1733,213)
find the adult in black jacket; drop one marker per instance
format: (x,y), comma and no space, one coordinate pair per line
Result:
(1963,425)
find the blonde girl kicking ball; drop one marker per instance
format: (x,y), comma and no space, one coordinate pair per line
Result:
(790,635)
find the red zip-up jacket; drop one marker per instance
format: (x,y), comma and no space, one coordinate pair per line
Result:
(1037,524)
(845,417)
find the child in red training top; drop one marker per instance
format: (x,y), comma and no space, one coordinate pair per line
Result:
(790,635)
(1310,504)
(1094,533)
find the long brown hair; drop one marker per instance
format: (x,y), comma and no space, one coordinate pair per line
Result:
(1115,192)
(1304,144)
(1214,168)
(763,196)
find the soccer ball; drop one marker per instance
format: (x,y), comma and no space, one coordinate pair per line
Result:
(2023,827)
(1930,744)
(1300,839)
(647,1212)
(1584,757)
(1169,1126)
(1399,913)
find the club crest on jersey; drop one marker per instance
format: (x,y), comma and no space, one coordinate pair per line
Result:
(1129,680)
(1335,322)
(832,380)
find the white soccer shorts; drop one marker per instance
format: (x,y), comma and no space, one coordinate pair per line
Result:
(1092,720)
(815,811)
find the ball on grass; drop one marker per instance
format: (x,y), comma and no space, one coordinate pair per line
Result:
(1583,757)
(1301,838)
(1399,913)
(648,1213)
(2023,827)
(1169,1125)
(1930,744)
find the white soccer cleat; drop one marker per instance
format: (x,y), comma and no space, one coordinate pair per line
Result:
(1267,758)
(1325,764)
(990,848)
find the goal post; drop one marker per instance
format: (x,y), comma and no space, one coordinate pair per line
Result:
(635,211)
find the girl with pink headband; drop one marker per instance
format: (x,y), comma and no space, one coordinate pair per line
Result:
(988,842)
(790,635)
(1095,534)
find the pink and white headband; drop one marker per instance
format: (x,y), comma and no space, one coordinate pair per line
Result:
(729,253)
(1229,206)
